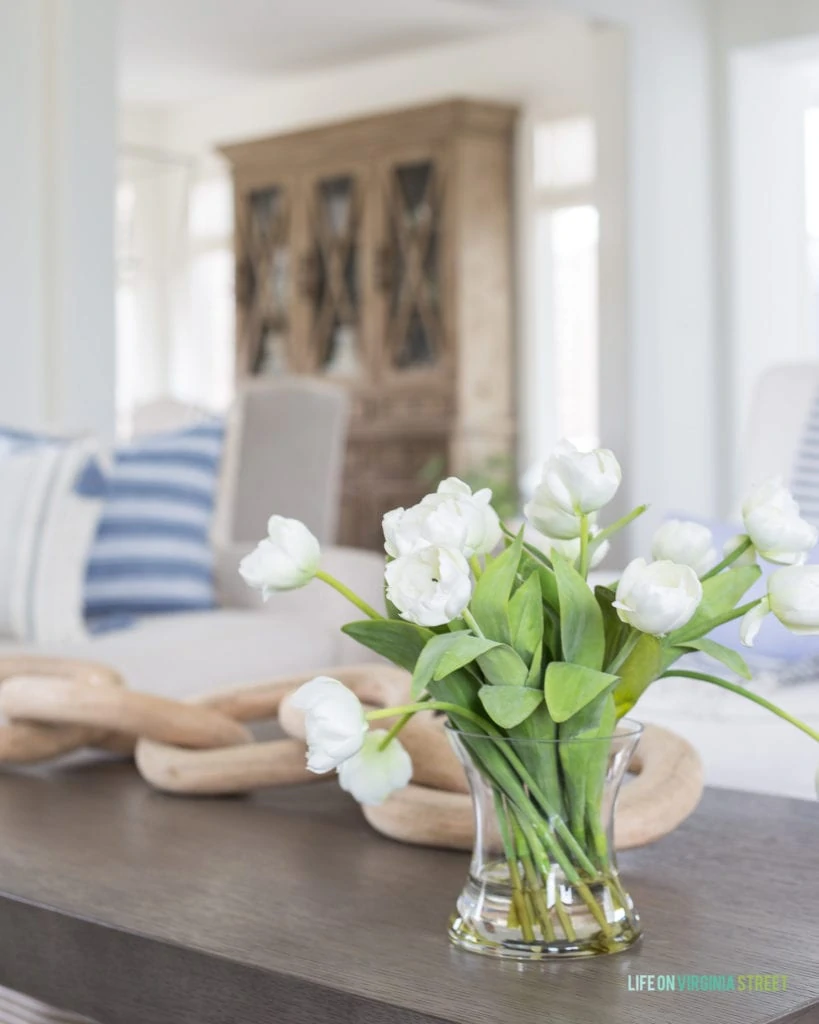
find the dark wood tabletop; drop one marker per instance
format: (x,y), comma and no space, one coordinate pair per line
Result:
(138,908)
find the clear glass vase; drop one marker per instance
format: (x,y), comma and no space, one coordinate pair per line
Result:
(543,879)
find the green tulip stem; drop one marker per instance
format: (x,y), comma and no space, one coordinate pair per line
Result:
(609,531)
(734,688)
(475,564)
(584,546)
(469,619)
(395,729)
(345,591)
(430,705)
(684,634)
(729,559)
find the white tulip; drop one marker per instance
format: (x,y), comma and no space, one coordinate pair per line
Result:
(483,530)
(334,723)
(748,557)
(548,517)
(793,597)
(685,543)
(286,559)
(372,774)
(772,521)
(570,549)
(752,622)
(453,517)
(422,526)
(657,597)
(581,482)
(430,587)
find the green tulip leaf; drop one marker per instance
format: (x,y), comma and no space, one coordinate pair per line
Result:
(437,650)
(570,688)
(535,675)
(508,706)
(616,631)
(582,636)
(638,672)
(503,666)
(732,660)
(399,641)
(526,618)
(490,600)
(545,572)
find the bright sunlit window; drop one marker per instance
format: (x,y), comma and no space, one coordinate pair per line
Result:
(201,365)
(566,232)
(567,242)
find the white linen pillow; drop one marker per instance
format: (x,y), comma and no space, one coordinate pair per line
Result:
(46,530)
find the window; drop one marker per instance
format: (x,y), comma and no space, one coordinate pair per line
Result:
(566,262)
(567,245)
(202,347)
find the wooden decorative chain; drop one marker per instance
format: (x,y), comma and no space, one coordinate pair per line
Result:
(203,746)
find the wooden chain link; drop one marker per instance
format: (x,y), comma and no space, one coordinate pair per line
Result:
(203,746)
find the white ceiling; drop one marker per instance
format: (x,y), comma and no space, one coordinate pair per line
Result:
(179,51)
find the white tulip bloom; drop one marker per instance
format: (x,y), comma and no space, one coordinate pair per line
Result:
(581,482)
(334,723)
(372,774)
(748,557)
(548,517)
(793,597)
(657,597)
(453,517)
(483,529)
(685,543)
(570,549)
(423,526)
(772,521)
(430,587)
(286,559)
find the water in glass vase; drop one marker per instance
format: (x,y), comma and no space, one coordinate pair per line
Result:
(543,880)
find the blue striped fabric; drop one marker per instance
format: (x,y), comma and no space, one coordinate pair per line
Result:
(152,551)
(805,479)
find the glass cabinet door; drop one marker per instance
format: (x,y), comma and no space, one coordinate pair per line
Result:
(330,275)
(264,284)
(412,265)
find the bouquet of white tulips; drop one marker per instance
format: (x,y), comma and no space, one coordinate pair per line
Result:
(506,637)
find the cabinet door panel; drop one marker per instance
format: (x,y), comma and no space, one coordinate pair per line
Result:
(264,277)
(330,276)
(412,271)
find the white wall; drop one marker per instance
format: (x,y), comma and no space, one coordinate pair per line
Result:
(548,66)
(760,96)
(57,80)
(743,23)
(770,313)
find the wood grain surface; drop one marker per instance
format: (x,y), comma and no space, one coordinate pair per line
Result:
(136,907)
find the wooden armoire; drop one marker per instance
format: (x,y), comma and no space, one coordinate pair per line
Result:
(378,253)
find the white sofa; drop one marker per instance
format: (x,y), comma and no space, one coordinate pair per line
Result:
(243,641)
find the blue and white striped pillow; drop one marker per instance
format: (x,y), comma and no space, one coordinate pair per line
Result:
(152,551)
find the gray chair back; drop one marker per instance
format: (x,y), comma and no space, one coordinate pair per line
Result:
(284,454)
